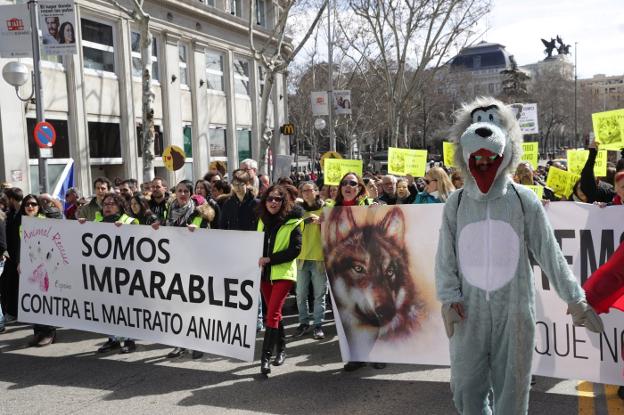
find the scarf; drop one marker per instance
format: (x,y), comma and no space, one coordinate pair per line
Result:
(617,200)
(179,215)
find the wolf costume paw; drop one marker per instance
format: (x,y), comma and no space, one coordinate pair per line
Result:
(450,317)
(584,315)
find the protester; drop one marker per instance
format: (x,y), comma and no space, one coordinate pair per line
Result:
(239,210)
(593,189)
(159,202)
(282,244)
(71,200)
(404,196)
(371,187)
(457,180)
(389,185)
(310,265)
(113,211)
(3,247)
(251,167)
(9,281)
(183,213)
(204,189)
(221,190)
(90,211)
(125,190)
(139,208)
(438,187)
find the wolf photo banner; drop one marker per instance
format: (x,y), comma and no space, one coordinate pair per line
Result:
(380,264)
(197,290)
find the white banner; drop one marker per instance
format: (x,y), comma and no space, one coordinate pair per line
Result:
(588,236)
(197,290)
(342,102)
(57,19)
(15,33)
(320,105)
(527,117)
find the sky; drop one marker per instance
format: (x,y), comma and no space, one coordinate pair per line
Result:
(596,25)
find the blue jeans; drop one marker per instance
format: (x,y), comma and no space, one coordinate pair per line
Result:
(313,271)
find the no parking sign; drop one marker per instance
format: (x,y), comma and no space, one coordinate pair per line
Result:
(45,134)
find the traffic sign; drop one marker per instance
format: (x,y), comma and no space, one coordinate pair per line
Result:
(45,134)
(287,129)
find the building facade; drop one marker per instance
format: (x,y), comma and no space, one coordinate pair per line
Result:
(607,91)
(207,90)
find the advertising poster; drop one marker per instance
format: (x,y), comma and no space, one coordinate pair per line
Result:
(319,102)
(342,102)
(15,33)
(57,20)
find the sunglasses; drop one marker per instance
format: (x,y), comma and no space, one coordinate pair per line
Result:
(31,204)
(351,183)
(430,180)
(277,199)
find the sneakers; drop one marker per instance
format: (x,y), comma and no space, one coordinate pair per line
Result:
(351,366)
(302,330)
(35,340)
(129,346)
(8,319)
(46,340)
(108,346)
(318,334)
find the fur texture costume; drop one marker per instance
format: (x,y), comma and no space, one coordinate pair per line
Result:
(483,274)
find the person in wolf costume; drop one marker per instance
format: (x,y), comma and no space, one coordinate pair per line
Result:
(483,274)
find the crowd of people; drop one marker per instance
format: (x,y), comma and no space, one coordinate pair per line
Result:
(288,211)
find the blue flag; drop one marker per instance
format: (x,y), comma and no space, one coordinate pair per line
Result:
(65,181)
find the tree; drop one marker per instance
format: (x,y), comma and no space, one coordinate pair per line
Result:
(400,40)
(514,83)
(275,55)
(138,14)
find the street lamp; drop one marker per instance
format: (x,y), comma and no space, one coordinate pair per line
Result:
(320,124)
(16,74)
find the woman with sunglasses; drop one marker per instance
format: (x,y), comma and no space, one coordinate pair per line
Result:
(438,187)
(282,226)
(32,207)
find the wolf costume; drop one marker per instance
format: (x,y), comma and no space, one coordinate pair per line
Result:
(483,274)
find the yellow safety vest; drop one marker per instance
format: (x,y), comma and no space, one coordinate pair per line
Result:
(287,270)
(125,219)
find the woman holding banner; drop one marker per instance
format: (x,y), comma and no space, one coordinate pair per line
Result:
(282,226)
(113,211)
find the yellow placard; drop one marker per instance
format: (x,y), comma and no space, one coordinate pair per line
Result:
(404,161)
(173,158)
(329,155)
(530,153)
(577,159)
(538,190)
(609,129)
(335,169)
(561,182)
(448,150)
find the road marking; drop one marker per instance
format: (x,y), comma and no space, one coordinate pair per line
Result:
(585,398)
(615,405)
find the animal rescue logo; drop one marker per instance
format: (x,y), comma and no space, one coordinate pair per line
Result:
(47,255)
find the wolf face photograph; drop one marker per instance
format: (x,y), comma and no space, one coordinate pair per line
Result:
(379,299)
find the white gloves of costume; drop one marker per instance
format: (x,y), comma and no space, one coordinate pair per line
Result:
(584,315)
(450,317)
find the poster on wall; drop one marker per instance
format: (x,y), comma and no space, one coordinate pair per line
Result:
(57,20)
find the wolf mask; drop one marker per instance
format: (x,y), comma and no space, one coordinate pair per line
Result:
(488,141)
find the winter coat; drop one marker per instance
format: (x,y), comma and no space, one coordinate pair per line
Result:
(282,244)
(239,216)
(90,210)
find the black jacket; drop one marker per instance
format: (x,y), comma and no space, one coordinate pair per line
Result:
(294,246)
(388,199)
(595,192)
(239,216)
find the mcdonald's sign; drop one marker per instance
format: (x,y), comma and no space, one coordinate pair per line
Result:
(287,129)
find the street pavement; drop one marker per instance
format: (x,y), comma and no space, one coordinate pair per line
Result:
(68,377)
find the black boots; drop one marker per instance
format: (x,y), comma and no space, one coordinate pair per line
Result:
(267,349)
(280,355)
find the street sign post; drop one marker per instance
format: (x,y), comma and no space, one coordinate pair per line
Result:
(45,134)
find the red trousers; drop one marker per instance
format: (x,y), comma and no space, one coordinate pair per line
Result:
(274,294)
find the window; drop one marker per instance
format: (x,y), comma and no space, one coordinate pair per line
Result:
(182,63)
(243,136)
(214,71)
(97,46)
(60,150)
(261,13)
(104,140)
(241,77)
(136,57)
(235,8)
(187,134)
(218,140)
(158,141)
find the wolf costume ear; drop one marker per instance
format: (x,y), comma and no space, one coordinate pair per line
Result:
(393,224)
(341,222)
